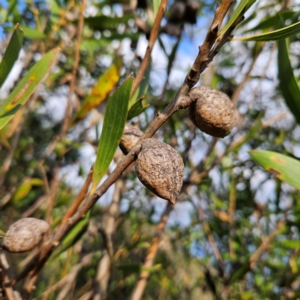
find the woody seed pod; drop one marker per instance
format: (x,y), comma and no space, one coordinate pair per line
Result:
(160,168)
(24,234)
(212,111)
(129,138)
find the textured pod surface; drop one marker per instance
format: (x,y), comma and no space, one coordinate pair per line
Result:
(160,168)
(24,234)
(129,138)
(212,111)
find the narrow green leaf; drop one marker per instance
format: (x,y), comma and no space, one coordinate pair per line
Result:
(11,54)
(287,82)
(156,4)
(275,35)
(239,273)
(113,126)
(32,33)
(105,22)
(272,21)
(137,108)
(290,244)
(73,235)
(281,166)
(241,8)
(26,87)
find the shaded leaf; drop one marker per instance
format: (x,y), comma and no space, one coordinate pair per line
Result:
(26,87)
(11,53)
(239,273)
(100,91)
(287,81)
(281,166)
(73,235)
(113,126)
(137,108)
(105,22)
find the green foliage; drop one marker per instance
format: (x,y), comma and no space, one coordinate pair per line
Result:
(214,245)
(26,87)
(113,126)
(281,166)
(11,54)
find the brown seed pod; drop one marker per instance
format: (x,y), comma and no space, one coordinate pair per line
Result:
(160,168)
(129,138)
(212,111)
(24,234)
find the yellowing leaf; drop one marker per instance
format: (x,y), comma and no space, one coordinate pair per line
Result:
(100,91)
(25,187)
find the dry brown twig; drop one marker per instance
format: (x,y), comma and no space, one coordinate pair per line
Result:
(139,288)
(153,36)
(207,51)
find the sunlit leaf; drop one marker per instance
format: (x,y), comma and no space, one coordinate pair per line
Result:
(11,53)
(113,126)
(32,33)
(25,187)
(239,11)
(290,244)
(281,166)
(26,87)
(100,91)
(287,82)
(273,20)
(275,35)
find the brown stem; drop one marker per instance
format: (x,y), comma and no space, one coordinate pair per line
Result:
(103,272)
(139,288)
(6,273)
(154,32)
(81,196)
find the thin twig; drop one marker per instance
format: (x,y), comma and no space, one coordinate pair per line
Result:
(103,272)
(81,196)
(6,273)
(139,287)
(66,121)
(154,32)
(210,237)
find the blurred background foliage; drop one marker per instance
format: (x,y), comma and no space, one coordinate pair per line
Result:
(234,232)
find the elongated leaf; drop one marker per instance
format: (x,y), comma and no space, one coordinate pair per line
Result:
(105,84)
(290,244)
(11,54)
(275,35)
(281,166)
(113,126)
(73,235)
(106,23)
(287,81)
(26,87)
(137,108)
(241,8)
(273,20)
(24,188)
(32,33)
